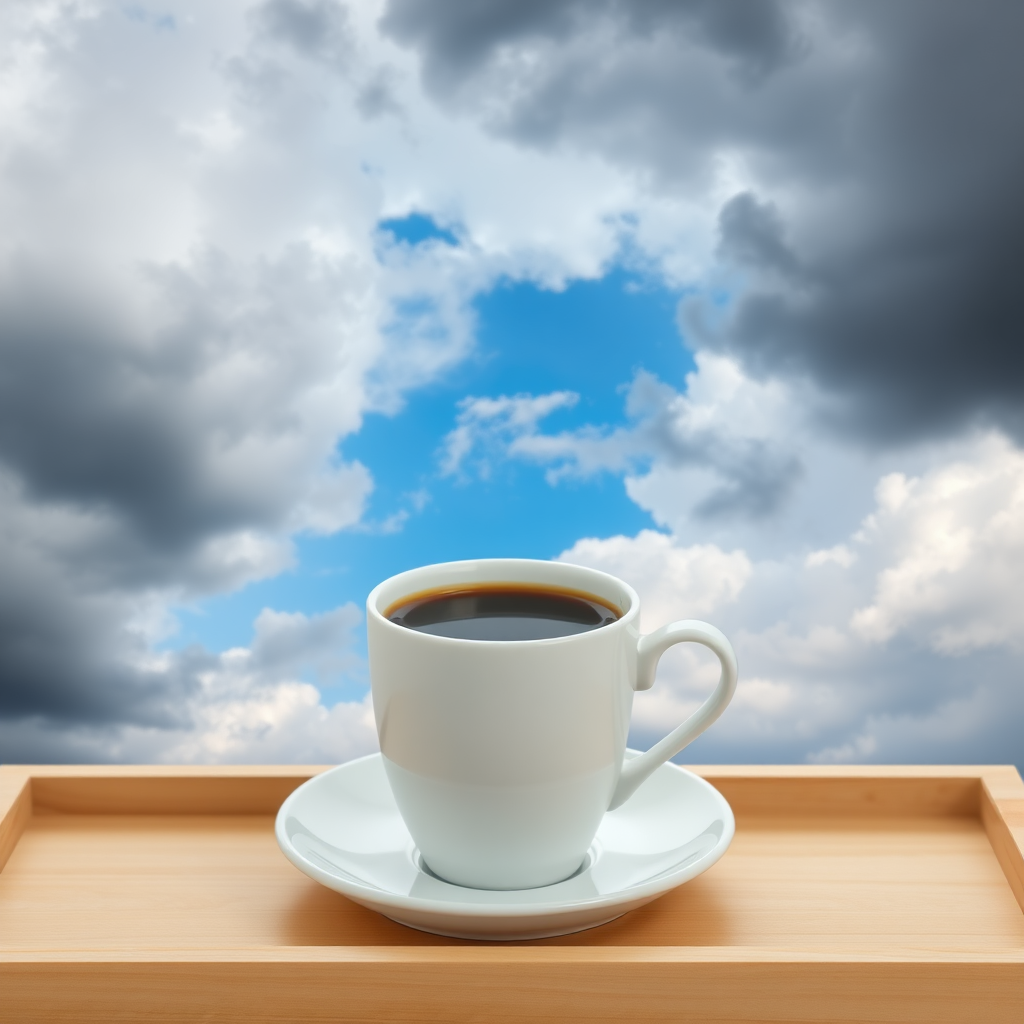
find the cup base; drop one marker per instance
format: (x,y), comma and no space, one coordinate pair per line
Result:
(584,865)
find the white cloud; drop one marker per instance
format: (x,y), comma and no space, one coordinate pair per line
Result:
(955,544)
(334,499)
(722,442)
(840,554)
(242,722)
(253,706)
(858,651)
(507,423)
(679,582)
(232,719)
(849,615)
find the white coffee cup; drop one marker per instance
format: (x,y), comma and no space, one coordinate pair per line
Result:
(503,755)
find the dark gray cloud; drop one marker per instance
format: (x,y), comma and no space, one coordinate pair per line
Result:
(66,656)
(143,425)
(755,476)
(752,235)
(883,247)
(193,704)
(143,464)
(317,29)
(660,86)
(917,331)
(759,481)
(176,366)
(88,416)
(457,40)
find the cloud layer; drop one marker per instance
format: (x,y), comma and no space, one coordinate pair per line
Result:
(244,705)
(902,643)
(196,308)
(863,161)
(174,374)
(198,304)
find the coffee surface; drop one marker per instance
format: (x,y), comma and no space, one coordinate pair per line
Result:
(497,611)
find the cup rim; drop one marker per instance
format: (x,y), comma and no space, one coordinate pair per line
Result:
(610,582)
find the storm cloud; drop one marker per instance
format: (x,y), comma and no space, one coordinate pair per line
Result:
(176,369)
(877,242)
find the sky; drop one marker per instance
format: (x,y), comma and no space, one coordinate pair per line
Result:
(721,296)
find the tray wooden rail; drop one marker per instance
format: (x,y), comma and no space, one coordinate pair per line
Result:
(849,894)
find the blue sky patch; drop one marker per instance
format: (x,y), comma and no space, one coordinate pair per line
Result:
(590,338)
(416,228)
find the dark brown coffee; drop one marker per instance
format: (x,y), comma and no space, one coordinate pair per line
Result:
(502,611)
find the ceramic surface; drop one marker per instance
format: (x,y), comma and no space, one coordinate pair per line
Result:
(344,829)
(504,756)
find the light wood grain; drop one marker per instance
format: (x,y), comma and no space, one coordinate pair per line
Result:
(659,992)
(849,894)
(15,810)
(1002,812)
(162,789)
(105,882)
(848,797)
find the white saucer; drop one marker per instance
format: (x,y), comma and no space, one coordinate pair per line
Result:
(343,829)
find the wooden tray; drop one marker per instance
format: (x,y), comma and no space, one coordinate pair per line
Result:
(849,894)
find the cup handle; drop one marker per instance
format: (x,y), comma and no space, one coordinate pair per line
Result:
(649,651)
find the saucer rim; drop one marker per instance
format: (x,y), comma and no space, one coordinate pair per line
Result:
(379,898)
